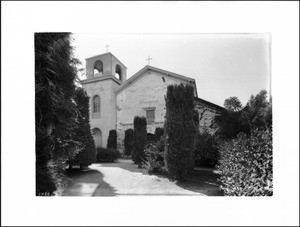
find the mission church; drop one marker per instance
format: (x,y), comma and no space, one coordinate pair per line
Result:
(116,100)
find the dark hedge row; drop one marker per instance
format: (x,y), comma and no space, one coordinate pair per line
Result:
(107,154)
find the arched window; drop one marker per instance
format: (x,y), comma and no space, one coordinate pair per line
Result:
(118,72)
(97,135)
(96,104)
(98,68)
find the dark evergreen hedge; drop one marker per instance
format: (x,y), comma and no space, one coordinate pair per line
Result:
(83,133)
(140,139)
(159,132)
(206,149)
(55,112)
(112,139)
(128,141)
(107,154)
(180,130)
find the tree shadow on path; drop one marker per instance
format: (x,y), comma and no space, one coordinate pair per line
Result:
(87,183)
(203,182)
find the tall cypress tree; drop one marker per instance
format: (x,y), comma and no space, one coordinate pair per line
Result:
(180,130)
(140,139)
(112,139)
(83,132)
(128,141)
(55,112)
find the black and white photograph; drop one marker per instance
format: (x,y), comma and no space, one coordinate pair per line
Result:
(151,115)
(116,131)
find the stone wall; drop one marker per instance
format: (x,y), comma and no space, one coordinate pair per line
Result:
(207,111)
(146,92)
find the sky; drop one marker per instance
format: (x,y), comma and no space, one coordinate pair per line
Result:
(223,65)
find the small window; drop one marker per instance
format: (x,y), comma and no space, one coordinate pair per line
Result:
(150,115)
(96,104)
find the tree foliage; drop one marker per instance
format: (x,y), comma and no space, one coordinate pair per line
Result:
(233,104)
(180,130)
(256,114)
(258,111)
(140,139)
(128,141)
(112,139)
(206,149)
(83,133)
(55,112)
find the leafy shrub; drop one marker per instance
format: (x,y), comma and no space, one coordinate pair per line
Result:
(161,144)
(246,165)
(140,139)
(112,139)
(206,150)
(180,130)
(128,141)
(154,160)
(159,132)
(107,154)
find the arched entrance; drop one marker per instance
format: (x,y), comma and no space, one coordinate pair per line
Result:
(97,135)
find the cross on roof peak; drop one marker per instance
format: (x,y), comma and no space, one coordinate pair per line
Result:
(149,59)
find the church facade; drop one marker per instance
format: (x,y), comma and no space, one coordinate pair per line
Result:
(115,101)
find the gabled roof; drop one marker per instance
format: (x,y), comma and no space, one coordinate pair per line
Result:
(209,103)
(151,68)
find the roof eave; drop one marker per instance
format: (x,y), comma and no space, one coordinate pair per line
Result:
(96,79)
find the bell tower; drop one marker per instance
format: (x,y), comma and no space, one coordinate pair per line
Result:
(104,74)
(105,65)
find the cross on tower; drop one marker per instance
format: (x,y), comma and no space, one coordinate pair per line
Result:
(106,48)
(148,59)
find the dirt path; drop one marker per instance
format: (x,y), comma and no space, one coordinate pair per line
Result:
(124,178)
